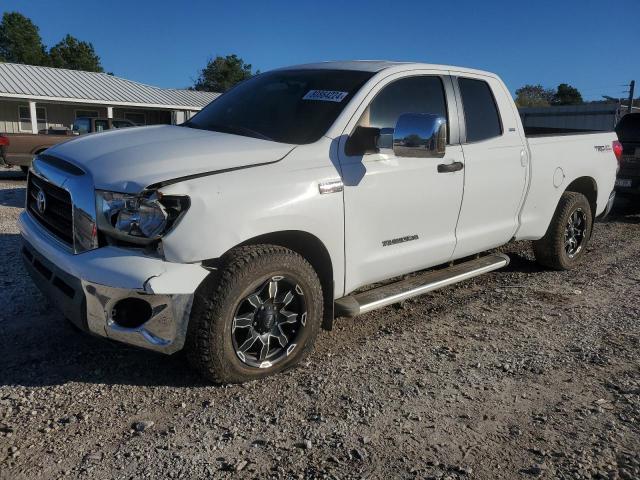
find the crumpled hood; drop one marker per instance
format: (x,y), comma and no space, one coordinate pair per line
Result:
(131,159)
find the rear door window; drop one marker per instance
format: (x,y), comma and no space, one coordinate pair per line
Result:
(480,110)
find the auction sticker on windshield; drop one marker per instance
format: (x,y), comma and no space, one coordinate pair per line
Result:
(325,95)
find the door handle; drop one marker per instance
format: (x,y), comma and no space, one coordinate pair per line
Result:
(450,167)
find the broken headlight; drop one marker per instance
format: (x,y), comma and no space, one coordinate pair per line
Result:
(139,219)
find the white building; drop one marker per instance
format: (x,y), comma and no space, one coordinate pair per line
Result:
(38,98)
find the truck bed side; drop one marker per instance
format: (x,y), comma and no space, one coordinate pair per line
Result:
(558,162)
(23,146)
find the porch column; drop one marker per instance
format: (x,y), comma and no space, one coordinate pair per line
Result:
(34,117)
(109,112)
(177,117)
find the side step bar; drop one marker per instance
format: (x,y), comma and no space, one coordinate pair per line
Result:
(379,297)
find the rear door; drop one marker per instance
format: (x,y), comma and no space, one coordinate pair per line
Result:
(496,165)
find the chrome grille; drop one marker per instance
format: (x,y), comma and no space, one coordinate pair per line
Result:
(51,206)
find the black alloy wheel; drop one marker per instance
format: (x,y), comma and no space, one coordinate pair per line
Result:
(267,322)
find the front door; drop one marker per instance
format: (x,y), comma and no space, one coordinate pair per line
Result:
(400,213)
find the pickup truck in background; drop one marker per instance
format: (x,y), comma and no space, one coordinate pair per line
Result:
(628,181)
(240,233)
(18,149)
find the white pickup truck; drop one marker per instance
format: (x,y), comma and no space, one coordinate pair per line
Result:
(241,233)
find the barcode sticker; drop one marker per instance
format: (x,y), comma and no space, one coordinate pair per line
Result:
(325,95)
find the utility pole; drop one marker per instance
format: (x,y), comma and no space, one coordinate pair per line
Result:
(631,88)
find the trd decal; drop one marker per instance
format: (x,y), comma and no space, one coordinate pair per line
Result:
(602,148)
(394,241)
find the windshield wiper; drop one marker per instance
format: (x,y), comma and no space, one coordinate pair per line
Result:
(248,131)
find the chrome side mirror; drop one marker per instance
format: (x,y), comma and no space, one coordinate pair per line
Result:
(422,135)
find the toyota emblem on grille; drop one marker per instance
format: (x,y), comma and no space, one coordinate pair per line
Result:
(41,202)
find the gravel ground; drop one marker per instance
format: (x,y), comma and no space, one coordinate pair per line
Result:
(522,373)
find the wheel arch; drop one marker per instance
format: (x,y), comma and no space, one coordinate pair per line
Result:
(312,249)
(588,187)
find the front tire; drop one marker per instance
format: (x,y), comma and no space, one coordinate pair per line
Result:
(259,314)
(568,235)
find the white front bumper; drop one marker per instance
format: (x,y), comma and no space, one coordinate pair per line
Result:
(94,281)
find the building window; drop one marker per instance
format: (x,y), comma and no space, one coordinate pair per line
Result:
(136,117)
(25,118)
(87,113)
(102,125)
(82,125)
(122,124)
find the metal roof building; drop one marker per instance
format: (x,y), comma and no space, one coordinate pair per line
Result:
(33,98)
(588,116)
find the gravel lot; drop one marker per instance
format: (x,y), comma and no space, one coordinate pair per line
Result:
(522,373)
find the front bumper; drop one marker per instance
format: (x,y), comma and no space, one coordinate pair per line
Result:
(87,286)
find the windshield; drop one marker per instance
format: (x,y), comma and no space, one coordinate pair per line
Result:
(288,106)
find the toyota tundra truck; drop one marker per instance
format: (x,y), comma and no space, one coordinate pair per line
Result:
(239,234)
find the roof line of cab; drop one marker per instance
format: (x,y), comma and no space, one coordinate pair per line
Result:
(376,66)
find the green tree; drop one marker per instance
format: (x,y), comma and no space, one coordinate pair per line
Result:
(20,40)
(74,54)
(567,95)
(222,73)
(534,96)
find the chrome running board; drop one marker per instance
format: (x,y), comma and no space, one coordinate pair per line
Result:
(379,297)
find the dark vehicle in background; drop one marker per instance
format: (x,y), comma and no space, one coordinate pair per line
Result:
(19,149)
(628,179)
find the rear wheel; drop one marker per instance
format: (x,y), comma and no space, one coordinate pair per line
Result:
(258,315)
(568,235)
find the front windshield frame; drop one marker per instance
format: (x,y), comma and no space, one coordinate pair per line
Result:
(285,116)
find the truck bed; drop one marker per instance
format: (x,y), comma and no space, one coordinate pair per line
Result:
(554,159)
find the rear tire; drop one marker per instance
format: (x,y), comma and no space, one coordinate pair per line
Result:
(568,235)
(263,296)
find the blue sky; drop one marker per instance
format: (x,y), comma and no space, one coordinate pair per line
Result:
(165,43)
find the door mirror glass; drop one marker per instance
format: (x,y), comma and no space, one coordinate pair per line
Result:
(422,135)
